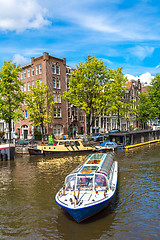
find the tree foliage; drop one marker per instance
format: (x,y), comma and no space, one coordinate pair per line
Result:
(154,93)
(86,87)
(146,109)
(40,104)
(11,95)
(116,101)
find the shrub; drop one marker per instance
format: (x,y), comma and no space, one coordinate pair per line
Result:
(38,135)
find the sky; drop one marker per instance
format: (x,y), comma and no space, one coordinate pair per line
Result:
(123,33)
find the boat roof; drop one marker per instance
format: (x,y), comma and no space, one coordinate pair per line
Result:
(107,143)
(68,140)
(97,162)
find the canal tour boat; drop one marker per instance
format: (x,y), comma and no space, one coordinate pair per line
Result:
(90,187)
(60,147)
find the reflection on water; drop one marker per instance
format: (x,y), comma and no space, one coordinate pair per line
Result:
(28,210)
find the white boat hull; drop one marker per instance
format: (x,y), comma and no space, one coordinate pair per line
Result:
(89,202)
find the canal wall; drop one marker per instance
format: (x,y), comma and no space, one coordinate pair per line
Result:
(7,151)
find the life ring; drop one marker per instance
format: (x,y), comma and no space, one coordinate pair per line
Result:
(86,171)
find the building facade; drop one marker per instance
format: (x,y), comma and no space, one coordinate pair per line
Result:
(67,120)
(52,71)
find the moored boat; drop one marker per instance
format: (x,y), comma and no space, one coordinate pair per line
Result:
(90,187)
(106,146)
(60,147)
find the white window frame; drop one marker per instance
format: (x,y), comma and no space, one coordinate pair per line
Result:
(57,69)
(32,71)
(24,74)
(37,70)
(26,114)
(40,68)
(58,84)
(24,87)
(28,72)
(29,85)
(21,75)
(58,112)
(53,68)
(58,98)
(54,83)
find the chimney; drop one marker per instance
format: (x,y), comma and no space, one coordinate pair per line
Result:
(45,56)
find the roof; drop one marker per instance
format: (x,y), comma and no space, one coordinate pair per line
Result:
(128,85)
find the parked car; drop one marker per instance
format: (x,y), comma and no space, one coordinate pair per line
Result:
(114,131)
(99,137)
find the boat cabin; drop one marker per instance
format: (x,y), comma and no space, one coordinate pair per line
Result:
(92,174)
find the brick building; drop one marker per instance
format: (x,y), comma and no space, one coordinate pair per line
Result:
(54,72)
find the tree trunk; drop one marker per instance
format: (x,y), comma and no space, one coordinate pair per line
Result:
(42,127)
(118,123)
(10,129)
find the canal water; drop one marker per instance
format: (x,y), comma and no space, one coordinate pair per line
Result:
(28,210)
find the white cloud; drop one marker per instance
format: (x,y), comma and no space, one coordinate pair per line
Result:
(142,51)
(109,18)
(18,59)
(157,66)
(18,15)
(145,78)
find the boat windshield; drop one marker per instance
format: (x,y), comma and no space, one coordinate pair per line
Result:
(91,181)
(85,182)
(70,182)
(100,182)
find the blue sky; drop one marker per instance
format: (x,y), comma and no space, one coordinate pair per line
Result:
(124,33)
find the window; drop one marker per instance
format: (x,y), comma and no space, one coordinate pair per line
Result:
(40,69)
(57,70)
(54,83)
(21,75)
(58,112)
(24,87)
(40,80)
(29,84)
(36,70)
(58,98)
(55,97)
(32,71)
(28,72)
(69,112)
(24,74)
(55,112)
(57,130)
(68,81)
(81,118)
(25,113)
(58,83)
(53,69)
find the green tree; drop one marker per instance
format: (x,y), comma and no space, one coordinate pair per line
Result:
(116,101)
(86,88)
(154,93)
(11,95)
(146,109)
(40,104)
